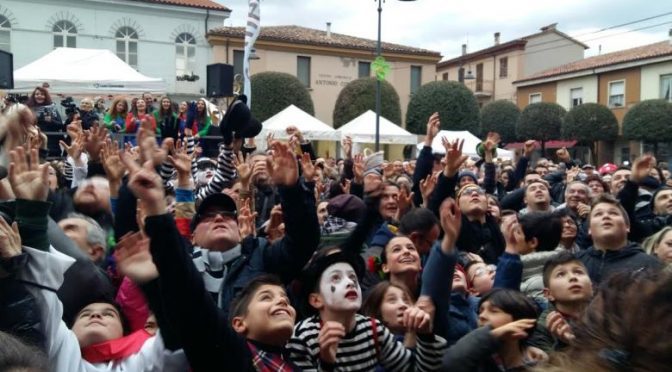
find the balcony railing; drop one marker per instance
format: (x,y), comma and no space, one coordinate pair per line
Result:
(481,87)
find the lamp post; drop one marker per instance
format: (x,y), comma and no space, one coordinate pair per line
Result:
(378,54)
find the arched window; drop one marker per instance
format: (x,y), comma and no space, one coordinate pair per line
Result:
(127,45)
(185,54)
(65,34)
(5,33)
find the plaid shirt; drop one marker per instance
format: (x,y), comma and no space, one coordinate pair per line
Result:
(265,361)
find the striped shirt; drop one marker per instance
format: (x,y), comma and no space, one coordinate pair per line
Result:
(358,351)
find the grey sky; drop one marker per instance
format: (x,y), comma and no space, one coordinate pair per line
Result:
(444,25)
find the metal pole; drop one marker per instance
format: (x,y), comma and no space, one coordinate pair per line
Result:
(378,52)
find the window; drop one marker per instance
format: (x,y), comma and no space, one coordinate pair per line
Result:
(364,69)
(479,77)
(238,62)
(444,76)
(185,54)
(416,78)
(127,46)
(576,97)
(460,75)
(665,87)
(504,67)
(5,33)
(303,70)
(65,34)
(535,98)
(617,93)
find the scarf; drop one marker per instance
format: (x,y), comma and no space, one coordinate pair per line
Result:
(116,349)
(215,266)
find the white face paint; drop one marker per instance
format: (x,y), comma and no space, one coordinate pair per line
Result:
(340,289)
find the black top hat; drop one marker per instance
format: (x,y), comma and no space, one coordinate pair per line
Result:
(238,119)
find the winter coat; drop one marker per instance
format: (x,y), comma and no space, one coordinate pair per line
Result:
(631,258)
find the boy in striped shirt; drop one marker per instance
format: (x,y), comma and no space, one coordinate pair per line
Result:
(339,339)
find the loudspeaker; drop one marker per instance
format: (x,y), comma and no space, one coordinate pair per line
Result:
(220,80)
(6,70)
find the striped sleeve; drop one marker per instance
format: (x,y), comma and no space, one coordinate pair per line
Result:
(224,174)
(303,347)
(191,147)
(166,172)
(394,356)
(67,171)
(429,352)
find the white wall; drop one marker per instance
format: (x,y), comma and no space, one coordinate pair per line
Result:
(549,50)
(97,21)
(650,86)
(589,85)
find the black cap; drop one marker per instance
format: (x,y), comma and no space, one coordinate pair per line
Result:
(219,200)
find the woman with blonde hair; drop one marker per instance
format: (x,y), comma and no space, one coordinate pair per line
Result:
(660,245)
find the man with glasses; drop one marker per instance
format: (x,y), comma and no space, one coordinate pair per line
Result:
(480,232)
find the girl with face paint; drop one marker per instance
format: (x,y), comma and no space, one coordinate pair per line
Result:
(335,294)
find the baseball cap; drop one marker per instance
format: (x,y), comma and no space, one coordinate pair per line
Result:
(219,201)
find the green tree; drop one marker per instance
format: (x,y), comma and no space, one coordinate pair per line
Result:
(589,123)
(272,92)
(649,121)
(500,116)
(540,121)
(359,96)
(456,105)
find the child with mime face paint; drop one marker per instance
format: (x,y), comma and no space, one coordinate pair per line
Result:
(338,337)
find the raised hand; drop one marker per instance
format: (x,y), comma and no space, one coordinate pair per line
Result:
(433,127)
(243,169)
(28,178)
(246,220)
(10,239)
(583,210)
(273,229)
(181,160)
(513,235)
(417,320)
(559,327)
(308,167)
(133,258)
(94,139)
(528,148)
(358,168)
(74,129)
(114,167)
(346,143)
(331,334)
(563,154)
(345,186)
(282,165)
(427,186)
(454,157)
(405,202)
(451,223)
(146,185)
(641,168)
(76,147)
(292,130)
(572,173)
(515,330)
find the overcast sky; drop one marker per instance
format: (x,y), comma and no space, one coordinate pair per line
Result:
(444,25)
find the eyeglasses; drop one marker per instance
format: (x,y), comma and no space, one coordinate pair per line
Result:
(470,190)
(483,271)
(212,215)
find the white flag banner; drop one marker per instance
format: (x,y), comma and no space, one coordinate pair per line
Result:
(251,34)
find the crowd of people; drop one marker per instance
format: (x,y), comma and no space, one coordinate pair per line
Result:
(150,257)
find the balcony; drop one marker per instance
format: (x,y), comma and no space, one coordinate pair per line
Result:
(481,88)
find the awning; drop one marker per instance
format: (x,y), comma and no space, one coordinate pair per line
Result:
(537,145)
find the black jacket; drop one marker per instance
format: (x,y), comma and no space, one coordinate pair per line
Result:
(631,258)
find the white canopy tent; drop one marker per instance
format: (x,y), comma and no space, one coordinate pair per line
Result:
(76,71)
(470,143)
(362,129)
(311,127)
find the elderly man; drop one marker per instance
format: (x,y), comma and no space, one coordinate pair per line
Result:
(87,234)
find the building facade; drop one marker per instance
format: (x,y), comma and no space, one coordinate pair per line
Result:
(325,62)
(617,80)
(490,72)
(159,38)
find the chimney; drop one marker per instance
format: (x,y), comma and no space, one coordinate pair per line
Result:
(464,49)
(496,38)
(328,30)
(670,34)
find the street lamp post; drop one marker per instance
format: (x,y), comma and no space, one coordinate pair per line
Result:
(378,54)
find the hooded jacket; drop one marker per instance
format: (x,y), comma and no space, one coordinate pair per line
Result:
(631,258)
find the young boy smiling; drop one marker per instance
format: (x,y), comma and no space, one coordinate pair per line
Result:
(337,337)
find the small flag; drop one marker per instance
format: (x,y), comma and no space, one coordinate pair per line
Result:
(251,34)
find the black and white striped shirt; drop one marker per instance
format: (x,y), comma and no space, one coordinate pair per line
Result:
(358,351)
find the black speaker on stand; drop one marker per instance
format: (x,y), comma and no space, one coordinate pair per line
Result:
(6,70)
(220,80)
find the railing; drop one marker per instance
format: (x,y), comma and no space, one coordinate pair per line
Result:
(481,87)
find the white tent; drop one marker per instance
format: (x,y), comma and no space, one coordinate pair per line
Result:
(470,143)
(362,129)
(84,71)
(312,128)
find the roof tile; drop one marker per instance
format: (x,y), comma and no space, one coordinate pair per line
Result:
(309,36)
(204,4)
(659,49)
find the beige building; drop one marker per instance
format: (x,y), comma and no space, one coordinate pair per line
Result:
(324,61)
(490,72)
(617,80)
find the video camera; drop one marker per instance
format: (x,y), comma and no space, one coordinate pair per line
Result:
(70,106)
